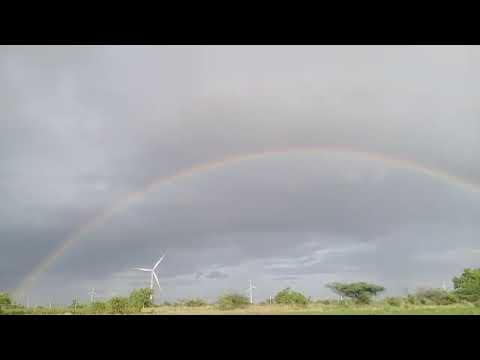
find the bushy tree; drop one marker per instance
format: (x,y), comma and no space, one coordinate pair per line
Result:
(467,285)
(360,292)
(5,299)
(99,307)
(394,301)
(119,305)
(232,301)
(430,296)
(140,298)
(289,297)
(192,302)
(411,299)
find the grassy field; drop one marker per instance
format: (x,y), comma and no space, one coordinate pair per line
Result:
(322,310)
(312,309)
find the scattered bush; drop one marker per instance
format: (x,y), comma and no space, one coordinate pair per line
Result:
(411,299)
(394,301)
(435,297)
(232,301)
(325,302)
(193,302)
(289,297)
(119,305)
(140,298)
(99,307)
(5,299)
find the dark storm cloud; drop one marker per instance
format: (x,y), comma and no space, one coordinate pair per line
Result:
(83,126)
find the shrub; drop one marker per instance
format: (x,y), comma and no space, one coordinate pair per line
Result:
(193,302)
(435,297)
(411,299)
(325,302)
(289,297)
(140,298)
(232,301)
(99,307)
(5,299)
(393,301)
(119,305)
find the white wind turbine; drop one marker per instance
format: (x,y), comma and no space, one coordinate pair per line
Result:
(153,275)
(250,290)
(92,294)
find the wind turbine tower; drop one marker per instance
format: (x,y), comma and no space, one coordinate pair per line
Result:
(250,290)
(153,275)
(92,295)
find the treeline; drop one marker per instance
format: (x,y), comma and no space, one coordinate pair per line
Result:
(466,290)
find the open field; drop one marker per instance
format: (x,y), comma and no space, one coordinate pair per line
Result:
(312,309)
(323,310)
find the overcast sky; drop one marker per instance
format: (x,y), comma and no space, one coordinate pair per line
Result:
(82,127)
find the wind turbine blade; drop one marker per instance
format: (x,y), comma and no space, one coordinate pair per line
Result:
(156,279)
(143,269)
(159,261)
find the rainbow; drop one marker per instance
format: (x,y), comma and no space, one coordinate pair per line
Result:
(127,201)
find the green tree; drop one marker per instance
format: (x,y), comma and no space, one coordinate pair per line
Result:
(99,307)
(5,299)
(467,285)
(289,297)
(393,301)
(435,297)
(232,301)
(360,292)
(140,298)
(119,305)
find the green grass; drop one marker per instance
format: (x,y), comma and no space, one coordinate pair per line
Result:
(386,310)
(311,309)
(314,309)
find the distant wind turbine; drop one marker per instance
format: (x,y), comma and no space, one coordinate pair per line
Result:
(92,295)
(153,275)
(250,290)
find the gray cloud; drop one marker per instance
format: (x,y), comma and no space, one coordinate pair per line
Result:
(81,127)
(216,275)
